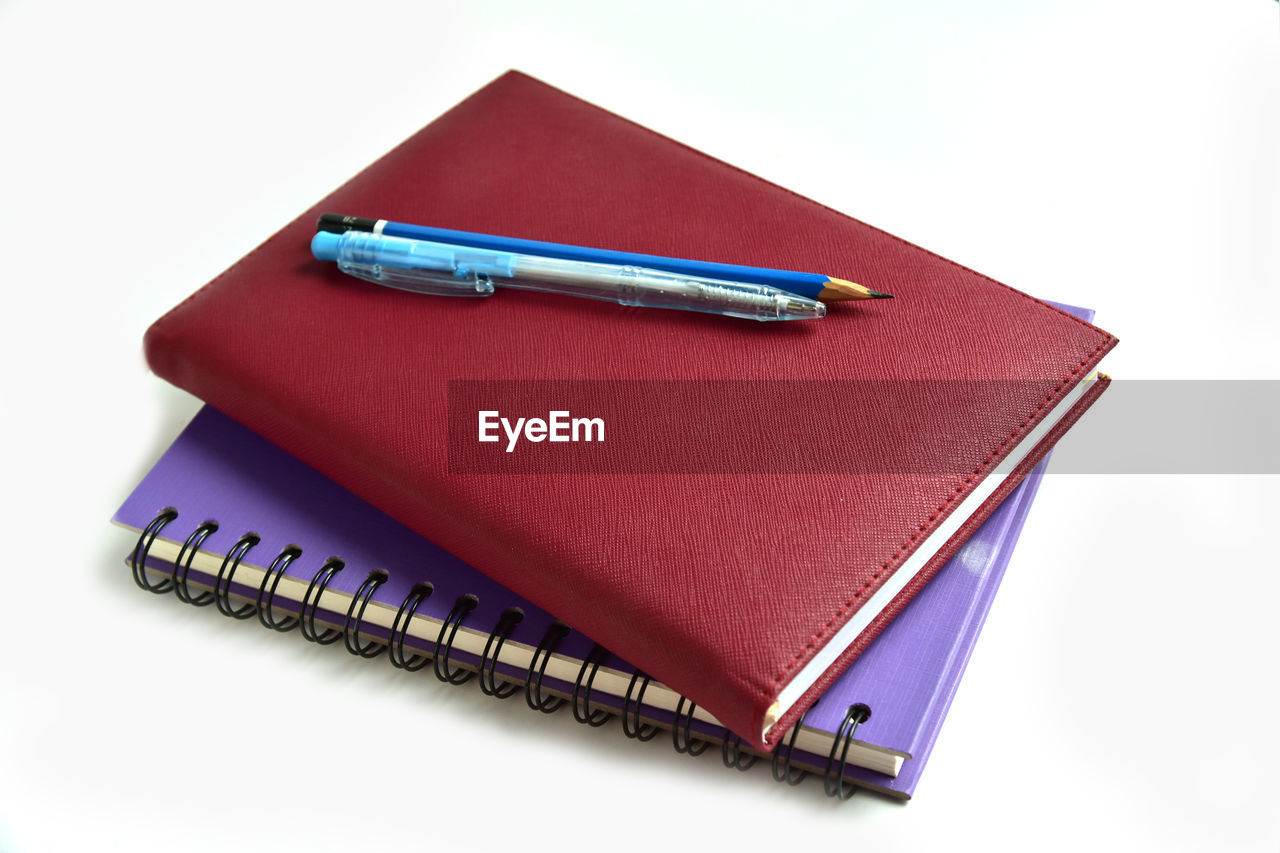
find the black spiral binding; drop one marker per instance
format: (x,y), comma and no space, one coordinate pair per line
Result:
(400,628)
(440,658)
(227,573)
(182,566)
(533,697)
(355,615)
(138,559)
(267,591)
(310,605)
(510,618)
(582,711)
(833,774)
(632,727)
(732,754)
(681,738)
(783,773)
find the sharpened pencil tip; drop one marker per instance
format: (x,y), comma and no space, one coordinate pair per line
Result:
(839,290)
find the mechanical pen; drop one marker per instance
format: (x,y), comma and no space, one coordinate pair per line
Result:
(441,269)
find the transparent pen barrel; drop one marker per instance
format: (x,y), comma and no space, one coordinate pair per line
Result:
(431,282)
(655,289)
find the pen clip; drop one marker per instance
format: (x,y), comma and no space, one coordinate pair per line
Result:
(431,282)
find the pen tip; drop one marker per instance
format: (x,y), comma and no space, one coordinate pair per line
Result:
(876,294)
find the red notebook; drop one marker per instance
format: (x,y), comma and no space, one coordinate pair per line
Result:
(745,587)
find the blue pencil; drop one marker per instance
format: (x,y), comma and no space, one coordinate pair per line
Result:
(810,285)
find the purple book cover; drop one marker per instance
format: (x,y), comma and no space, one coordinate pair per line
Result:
(219,471)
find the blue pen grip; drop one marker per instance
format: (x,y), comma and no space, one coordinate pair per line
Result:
(371,250)
(412,265)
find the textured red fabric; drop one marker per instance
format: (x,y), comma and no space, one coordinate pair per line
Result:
(719,585)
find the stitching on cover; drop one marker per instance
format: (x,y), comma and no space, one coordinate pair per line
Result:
(811,644)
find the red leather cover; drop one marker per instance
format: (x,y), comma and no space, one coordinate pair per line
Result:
(722,585)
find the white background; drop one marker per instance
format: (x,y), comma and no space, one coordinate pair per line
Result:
(1121,155)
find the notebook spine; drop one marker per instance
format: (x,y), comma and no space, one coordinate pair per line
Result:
(781,764)
(684,738)
(182,566)
(510,618)
(351,628)
(533,681)
(226,572)
(444,670)
(632,726)
(400,627)
(311,603)
(582,711)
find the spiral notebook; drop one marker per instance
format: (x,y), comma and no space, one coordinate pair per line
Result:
(226,518)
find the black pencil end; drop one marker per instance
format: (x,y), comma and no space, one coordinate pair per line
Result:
(336,223)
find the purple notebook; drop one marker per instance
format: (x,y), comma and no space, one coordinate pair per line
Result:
(311,552)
